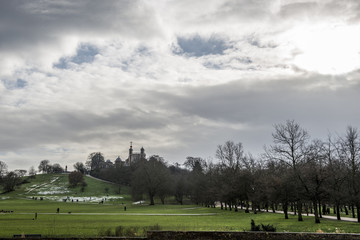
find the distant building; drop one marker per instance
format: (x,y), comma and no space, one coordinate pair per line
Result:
(135,156)
(108,164)
(118,162)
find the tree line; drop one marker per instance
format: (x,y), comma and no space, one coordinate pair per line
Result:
(295,173)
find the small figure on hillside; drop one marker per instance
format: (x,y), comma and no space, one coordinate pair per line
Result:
(124,208)
(35,216)
(57,210)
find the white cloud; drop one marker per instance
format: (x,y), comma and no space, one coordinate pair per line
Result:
(84,76)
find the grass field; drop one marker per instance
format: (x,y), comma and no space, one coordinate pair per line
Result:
(90,218)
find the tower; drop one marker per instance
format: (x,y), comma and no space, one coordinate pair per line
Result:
(142,153)
(130,153)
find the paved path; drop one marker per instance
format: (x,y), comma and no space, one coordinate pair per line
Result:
(100,179)
(348,219)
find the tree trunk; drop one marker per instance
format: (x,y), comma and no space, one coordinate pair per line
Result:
(317,219)
(338,212)
(307,209)
(151,196)
(162,198)
(320,210)
(358,211)
(247,207)
(324,209)
(299,207)
(353,210)
(285,209)
(221,206)
(346,211)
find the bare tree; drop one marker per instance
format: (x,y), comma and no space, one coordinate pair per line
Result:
(290,148)
(44,166)
(235,185)
(350,152)
(152,178)
(230,154)
(314,174)
(96,159)
(32,171)
(80,167)
(336,169)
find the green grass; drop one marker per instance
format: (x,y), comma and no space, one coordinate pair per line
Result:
(69,225)
(58,182)
(88,219)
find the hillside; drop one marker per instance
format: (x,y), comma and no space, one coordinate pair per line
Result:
(56,187)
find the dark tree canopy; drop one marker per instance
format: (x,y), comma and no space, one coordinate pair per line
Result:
(75,178)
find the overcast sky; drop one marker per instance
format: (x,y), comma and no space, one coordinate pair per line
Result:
(175,77)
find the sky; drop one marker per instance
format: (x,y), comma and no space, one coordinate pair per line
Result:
(175,77)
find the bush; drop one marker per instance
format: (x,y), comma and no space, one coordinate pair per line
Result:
(131,231)
(105,232)
(119,231)
(254,227)
(268,228)
(265,228)
(75,178)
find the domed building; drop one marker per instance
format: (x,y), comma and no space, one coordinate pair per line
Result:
(135,156)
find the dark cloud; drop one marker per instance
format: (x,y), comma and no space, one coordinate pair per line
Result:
(30,28)
(197,46)
(270,102)
(24,129)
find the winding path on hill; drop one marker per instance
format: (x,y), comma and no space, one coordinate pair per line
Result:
(101,180)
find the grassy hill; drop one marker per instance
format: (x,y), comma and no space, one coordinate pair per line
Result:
(56,187)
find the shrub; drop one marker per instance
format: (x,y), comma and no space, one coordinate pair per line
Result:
(155,227)
(75,178)
(105,232)
(268,228)
(131,231)
(254,227)
(119,231)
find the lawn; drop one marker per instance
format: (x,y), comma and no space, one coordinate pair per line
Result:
(88,219)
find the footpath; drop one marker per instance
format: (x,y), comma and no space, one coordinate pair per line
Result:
(348,219)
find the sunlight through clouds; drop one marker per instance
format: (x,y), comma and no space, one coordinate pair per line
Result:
(328,49)
(177,77)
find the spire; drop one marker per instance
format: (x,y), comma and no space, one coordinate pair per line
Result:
(130,153)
